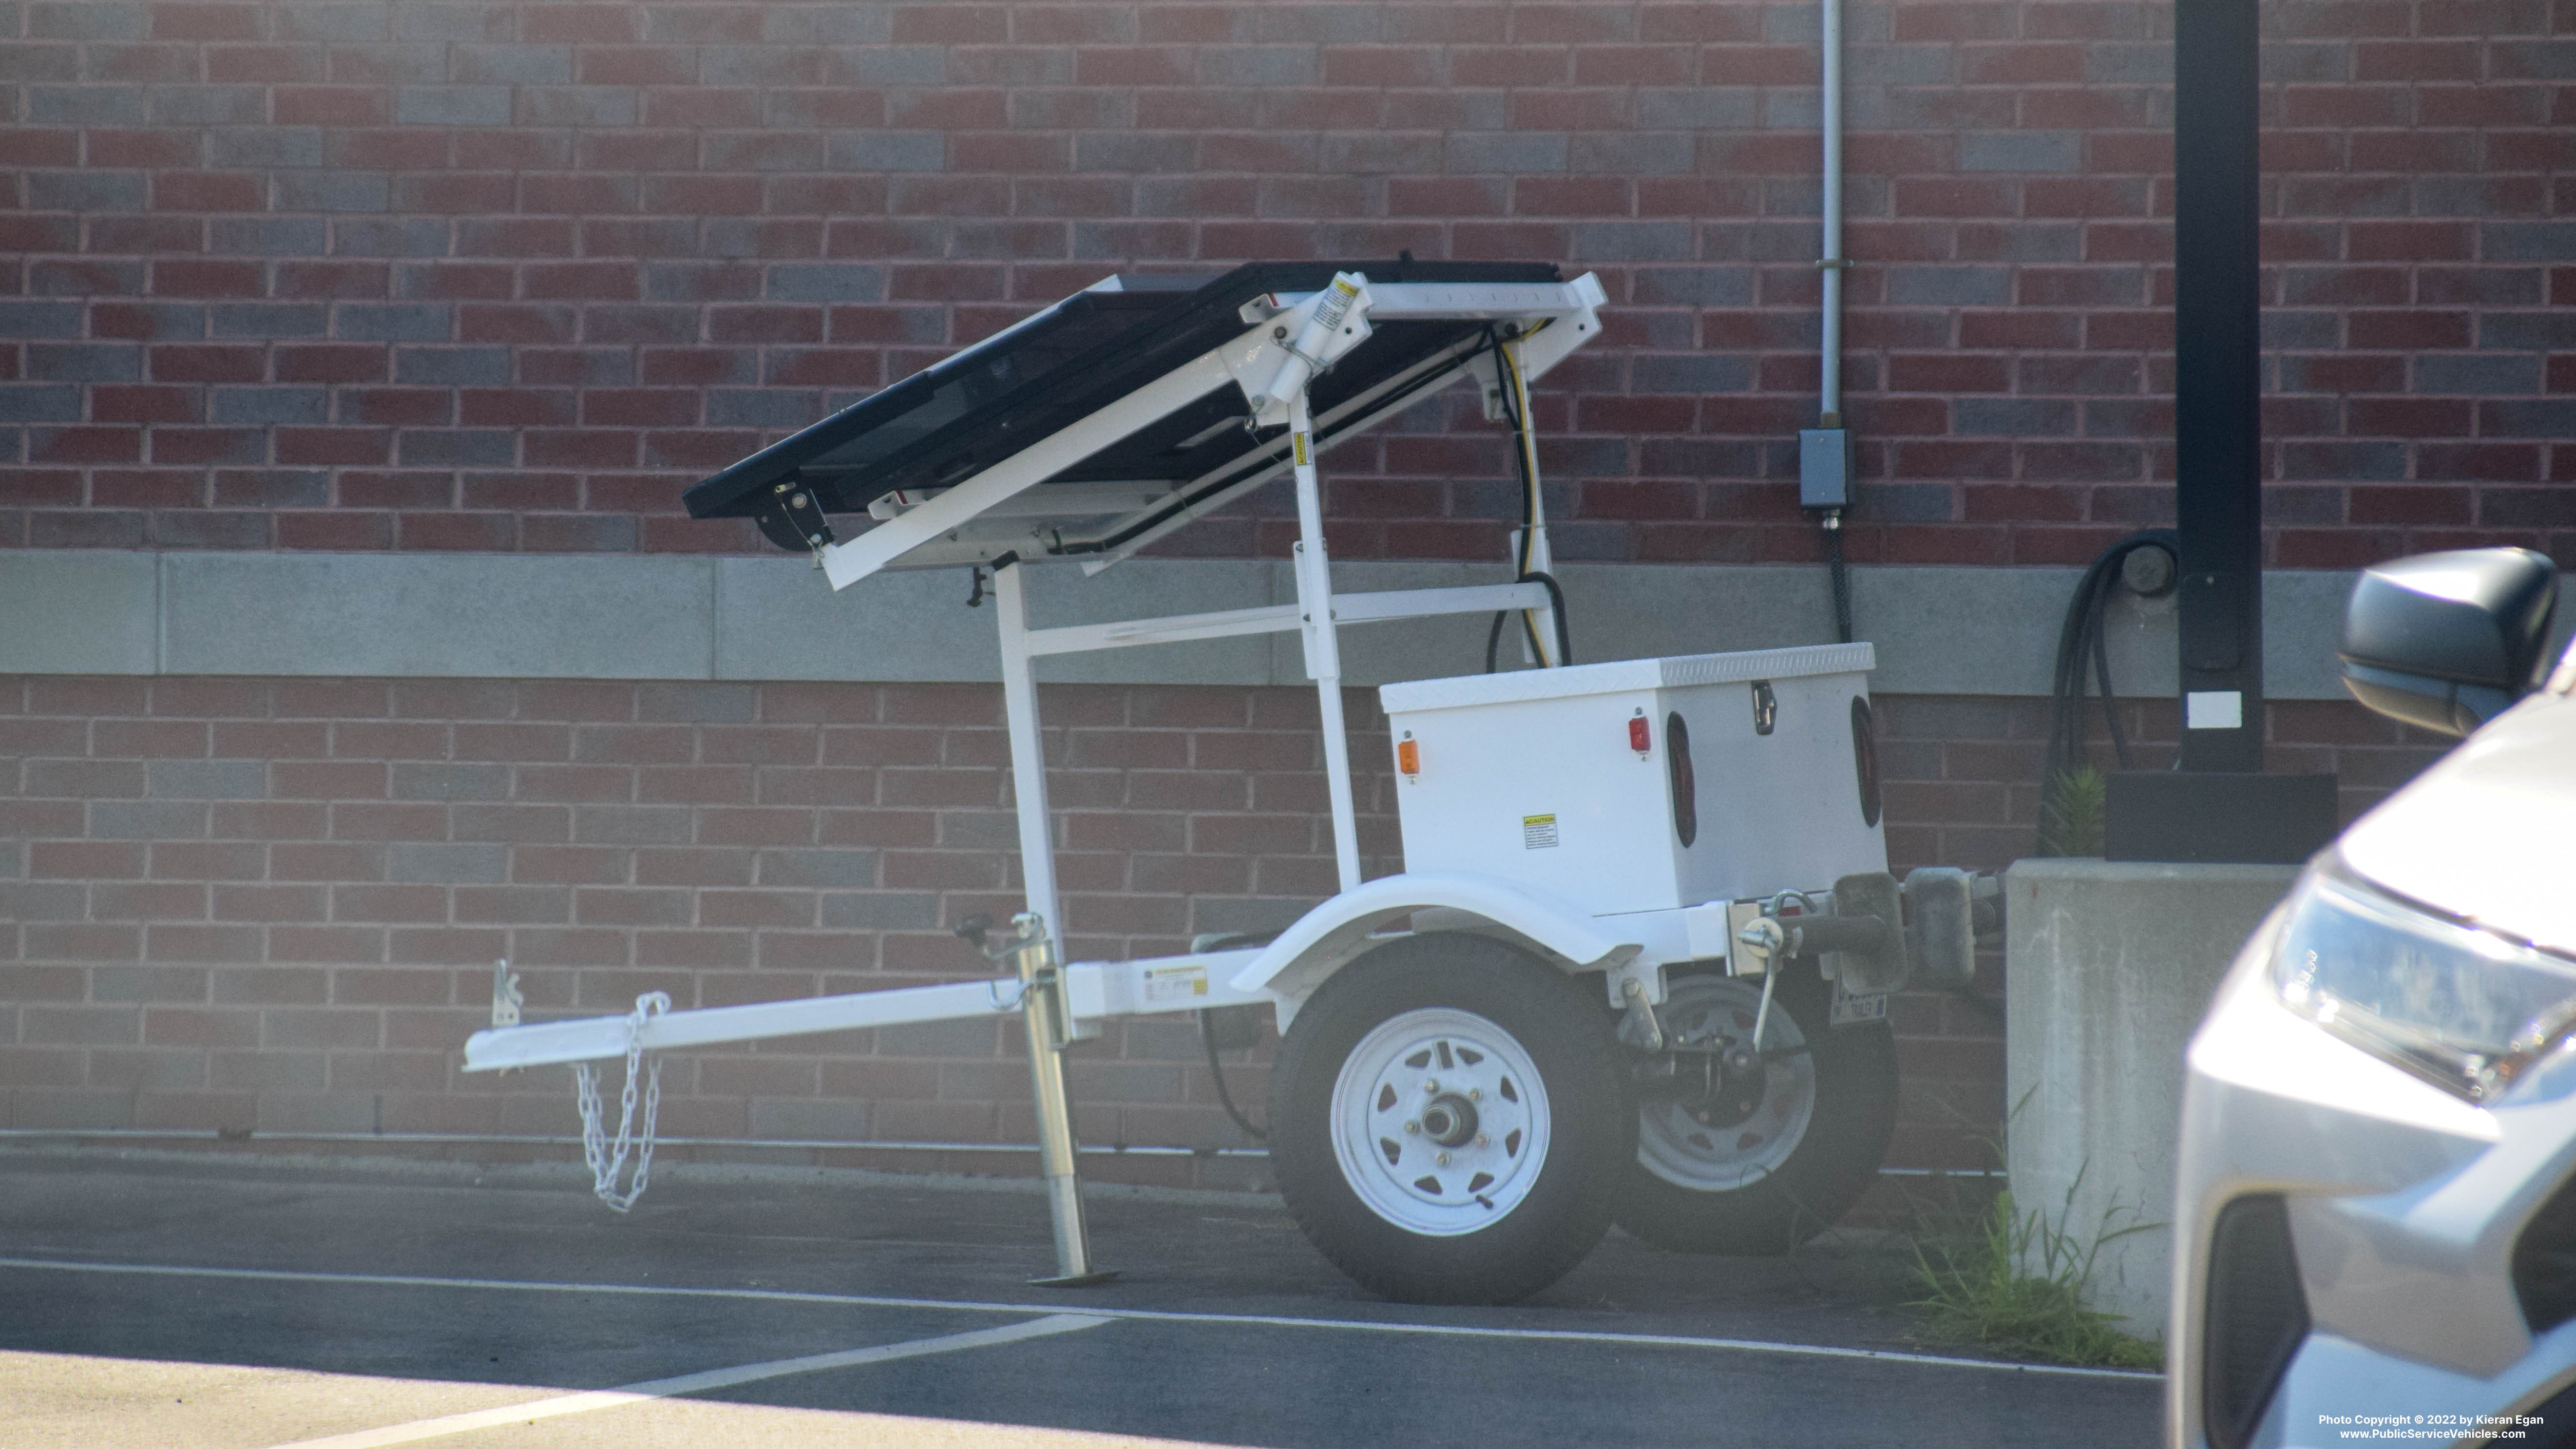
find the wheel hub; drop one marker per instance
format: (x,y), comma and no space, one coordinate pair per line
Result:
(1746,1109)
(1450,1121)
(1440,1121)
(1742,1083)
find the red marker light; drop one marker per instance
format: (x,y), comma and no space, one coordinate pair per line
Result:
(1637,738)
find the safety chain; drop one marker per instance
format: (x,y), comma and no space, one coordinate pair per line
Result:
(607,1162)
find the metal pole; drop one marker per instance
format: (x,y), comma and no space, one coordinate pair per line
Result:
(1323,644)
(2218,434)
(1825,450)
(1042,1005)
(2218,804)
(1028,753)
(1042,1000)
(1829,382)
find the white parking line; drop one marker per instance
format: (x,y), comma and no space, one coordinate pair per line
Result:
(697,1383)
(1147,1315)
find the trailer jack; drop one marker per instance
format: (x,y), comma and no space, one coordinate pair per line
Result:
(1049,1018)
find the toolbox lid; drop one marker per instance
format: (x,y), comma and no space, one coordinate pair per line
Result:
(1625,676)
(961,416)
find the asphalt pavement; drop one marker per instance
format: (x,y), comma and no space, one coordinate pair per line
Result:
(164,1299)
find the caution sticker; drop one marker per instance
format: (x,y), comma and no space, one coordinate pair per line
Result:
(1164,984)
(1538,832)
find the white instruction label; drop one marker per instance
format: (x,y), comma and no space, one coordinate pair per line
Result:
(1165,984)
(1538,832)
(1850,1010)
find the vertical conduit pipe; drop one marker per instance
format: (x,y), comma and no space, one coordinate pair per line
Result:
(1829,399)
(1825,451)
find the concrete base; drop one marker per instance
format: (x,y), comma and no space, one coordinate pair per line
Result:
(2108,968)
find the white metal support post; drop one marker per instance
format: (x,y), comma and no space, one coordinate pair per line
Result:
(1323,642)
(1041,935)
(1028,751)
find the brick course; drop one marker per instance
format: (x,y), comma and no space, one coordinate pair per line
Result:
(503,275)
(274,904)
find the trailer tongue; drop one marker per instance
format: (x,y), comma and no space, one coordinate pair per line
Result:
(1638,962)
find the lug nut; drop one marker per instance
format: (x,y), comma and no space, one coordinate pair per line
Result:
(1432,1085)
(1413,1127)
(1475,1094)
(1484,1141)
(1442,1159)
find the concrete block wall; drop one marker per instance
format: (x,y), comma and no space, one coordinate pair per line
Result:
(273,904)
(502,274)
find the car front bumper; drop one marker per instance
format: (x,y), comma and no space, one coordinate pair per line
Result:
(2345,1242)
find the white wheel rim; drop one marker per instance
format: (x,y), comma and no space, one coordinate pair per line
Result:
(1678,1146)
(1440,1122)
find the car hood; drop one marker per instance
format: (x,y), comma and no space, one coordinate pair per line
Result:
(2489,833)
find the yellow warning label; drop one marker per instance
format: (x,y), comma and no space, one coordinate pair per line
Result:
(1538,832)
(1301,450)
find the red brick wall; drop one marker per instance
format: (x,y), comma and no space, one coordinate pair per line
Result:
(504,275)
(274,904)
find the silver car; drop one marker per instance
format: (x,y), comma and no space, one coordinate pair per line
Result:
(2375,1223)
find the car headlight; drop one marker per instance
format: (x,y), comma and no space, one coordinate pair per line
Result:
(2464,1008)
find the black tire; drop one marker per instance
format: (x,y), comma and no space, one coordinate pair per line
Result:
(1556,1213)
(1834,1159)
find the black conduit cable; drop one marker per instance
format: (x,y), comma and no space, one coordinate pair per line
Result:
(1840,572)
(1510,387)
(2083,648)
(1556,606)
(1225,1098)
(1556,611)
(1524,459)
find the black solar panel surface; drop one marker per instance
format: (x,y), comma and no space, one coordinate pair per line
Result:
(990,401)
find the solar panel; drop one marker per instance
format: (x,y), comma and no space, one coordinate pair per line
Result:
(1035,395)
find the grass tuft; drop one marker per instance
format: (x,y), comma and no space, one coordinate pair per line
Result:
(2013,1282)
(2072,807)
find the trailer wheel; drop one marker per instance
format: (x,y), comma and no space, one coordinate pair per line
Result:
(1447,1121)
(1763,1162)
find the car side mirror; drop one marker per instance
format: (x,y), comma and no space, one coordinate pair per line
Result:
(2445,641)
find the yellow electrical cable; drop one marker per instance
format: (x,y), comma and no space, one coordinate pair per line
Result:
(1530,507)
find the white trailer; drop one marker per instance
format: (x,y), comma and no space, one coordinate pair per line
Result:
(1637,965)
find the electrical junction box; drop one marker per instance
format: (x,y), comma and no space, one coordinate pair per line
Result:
(1824,468)
(1645,784)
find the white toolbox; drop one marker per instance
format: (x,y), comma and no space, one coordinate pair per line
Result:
(1645,784)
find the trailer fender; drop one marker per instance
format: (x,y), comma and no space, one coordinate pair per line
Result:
(1329,936)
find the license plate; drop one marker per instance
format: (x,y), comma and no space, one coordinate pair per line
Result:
(1850,1010)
